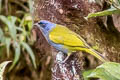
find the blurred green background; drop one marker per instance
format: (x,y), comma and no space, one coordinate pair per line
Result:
(15,30)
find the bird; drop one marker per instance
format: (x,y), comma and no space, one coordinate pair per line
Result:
(65,40)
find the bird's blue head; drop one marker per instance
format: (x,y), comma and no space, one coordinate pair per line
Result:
(45,26)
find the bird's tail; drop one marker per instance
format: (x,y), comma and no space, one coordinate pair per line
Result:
(95,53)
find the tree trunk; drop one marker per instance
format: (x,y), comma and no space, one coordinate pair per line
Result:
(71,13)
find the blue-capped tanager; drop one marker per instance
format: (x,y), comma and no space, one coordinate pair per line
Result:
(65,40)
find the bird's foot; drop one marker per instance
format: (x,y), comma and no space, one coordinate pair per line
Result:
(65,60)
(60,58)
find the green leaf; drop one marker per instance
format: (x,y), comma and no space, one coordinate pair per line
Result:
(2,68)
(30,25)
(113,68)
(116,2)
(17,55)
(2,38)
(20,29)
(1,35)
(106,71)
(10,22)
(12,27)
(30,52)
(86,73)
(30,2)
(101,74)
(8,42)
(119,1)
(104,13)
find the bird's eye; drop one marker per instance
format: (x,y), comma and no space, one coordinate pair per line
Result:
(42,24)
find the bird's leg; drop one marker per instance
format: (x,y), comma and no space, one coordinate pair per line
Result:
(68,55)
(60,57)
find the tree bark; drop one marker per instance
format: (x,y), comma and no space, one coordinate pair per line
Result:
(71,13)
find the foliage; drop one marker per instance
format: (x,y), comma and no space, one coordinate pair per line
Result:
(115,9)
(86,73)
(15,35)
(14,38)
(2,68)
(106,71)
